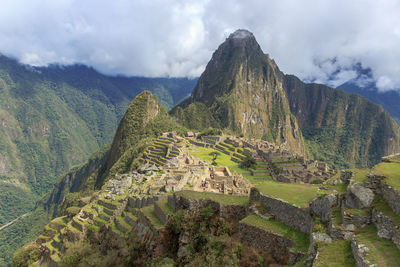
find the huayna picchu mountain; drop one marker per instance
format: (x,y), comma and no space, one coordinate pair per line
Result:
(243,91)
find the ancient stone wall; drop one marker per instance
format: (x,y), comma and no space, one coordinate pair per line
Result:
(285,212)
(171,200)
(159,212)
(392,197)
(277,245)
(144,220)
(234,212)
(386,227)
(359,251)
(138,203)
(373,182)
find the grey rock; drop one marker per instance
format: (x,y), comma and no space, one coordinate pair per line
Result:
(359,197)
(321,237)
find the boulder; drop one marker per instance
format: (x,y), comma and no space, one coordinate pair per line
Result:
(359,197)
(321,237)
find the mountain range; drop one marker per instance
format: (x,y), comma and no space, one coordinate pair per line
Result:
(55,117)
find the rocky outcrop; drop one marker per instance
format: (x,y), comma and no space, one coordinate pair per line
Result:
(359,197)
(321,206)
(285,212)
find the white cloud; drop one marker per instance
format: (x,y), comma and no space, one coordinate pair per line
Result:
(308,38)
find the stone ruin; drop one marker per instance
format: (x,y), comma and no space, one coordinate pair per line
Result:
(221,180)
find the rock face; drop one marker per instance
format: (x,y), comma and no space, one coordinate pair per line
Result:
(359,197)
(321,207)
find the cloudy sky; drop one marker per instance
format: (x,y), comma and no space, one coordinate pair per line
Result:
(315,40)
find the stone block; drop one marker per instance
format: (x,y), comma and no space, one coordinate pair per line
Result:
(359,197)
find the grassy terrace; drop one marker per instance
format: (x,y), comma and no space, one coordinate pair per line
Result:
(360,175)
(220,198)
(336,254)
(224,160)
(381,205)
(301,239)
(149,213)
(298,194)
(392,172)
(203,154)
(381,252)
(60,220)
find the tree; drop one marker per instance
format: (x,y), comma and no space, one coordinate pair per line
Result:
(214,154)
(248,162)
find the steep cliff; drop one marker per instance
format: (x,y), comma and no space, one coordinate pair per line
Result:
(342,128)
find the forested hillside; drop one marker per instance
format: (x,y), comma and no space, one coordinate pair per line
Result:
(53,118)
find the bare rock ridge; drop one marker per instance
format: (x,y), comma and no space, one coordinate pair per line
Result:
(243,91)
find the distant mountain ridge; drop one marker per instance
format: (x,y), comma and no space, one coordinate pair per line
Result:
(389,100)
(243,91)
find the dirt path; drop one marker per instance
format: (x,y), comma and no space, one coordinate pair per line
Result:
(13,221)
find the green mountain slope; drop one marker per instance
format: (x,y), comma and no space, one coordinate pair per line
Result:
(345,129)
(54,118)
(144,120)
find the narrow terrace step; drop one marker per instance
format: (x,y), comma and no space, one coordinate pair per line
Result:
(107,204)
(109,212)
(122,225)
(99,222)
(130,218)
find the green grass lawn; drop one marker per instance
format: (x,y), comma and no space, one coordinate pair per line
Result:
(392,172)
(301,239)
(341,188)
(203,154)
(225,160)
(247,174)
(299,194)
(381,252)
(381,205)
(360,175)
(149,213)
(220,198)
(336,254)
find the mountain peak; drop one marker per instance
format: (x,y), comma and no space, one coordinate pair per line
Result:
(241,34)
